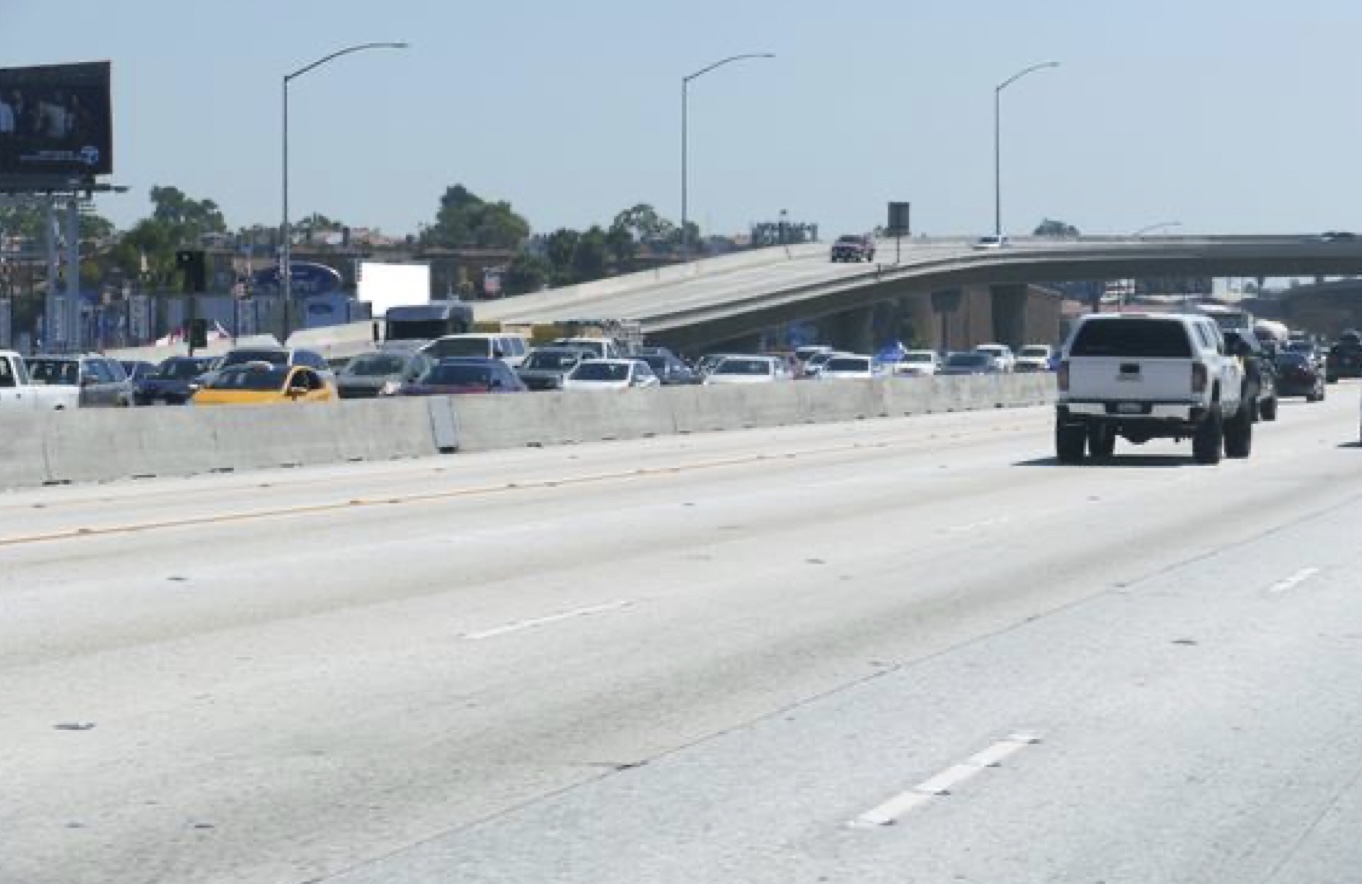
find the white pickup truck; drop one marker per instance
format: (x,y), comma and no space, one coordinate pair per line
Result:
(18,393)
(1147,376)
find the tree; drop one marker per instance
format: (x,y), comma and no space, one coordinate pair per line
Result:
(465,219)
(526,273)
(560,248)
(29,222)
(1051,227)
(620,241)
(590,260)
(189,218)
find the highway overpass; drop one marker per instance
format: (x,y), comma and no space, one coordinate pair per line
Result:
(708,302)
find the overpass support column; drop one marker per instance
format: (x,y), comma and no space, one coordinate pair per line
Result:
(854,330)
(1009,314)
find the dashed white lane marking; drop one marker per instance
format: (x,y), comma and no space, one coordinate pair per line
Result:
(521,625)
(1293,581)
(890,811)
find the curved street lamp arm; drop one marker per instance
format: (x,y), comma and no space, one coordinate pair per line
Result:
(1152,227)
(360,47)
(1031,70)
(729,60)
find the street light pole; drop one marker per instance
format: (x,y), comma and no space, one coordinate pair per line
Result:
(998,140)
(286,251)
(685,104)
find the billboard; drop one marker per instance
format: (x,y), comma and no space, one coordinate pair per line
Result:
(393,285)
(56,121)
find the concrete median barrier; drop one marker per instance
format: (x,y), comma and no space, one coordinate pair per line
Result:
(96,445)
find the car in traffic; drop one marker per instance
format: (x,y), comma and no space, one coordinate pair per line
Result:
(853,247)
(1345,358)
(601,348)
(459,376)
(381,373)
(668,367)
(137,369)
(918,363)
(850,366)
(510,349)
(19,393)
(1298,375)
(174,381)
(283,356)
(1002,355)
(264,383)
(545,367)
(1337,236)
(1034,358)
(968,362)
(747,370)
(1147,376)
(100,381)
(990,242)
(1260,374)
(610,374)
(813,366)
(709,361)
(807,351)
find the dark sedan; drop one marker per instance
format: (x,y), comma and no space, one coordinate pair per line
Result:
(453,377)
(1344,360)
(545,367)
(173,382)
(667,366)
(1299,375)
(971,362)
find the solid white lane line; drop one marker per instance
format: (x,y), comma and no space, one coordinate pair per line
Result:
(521,625)
(889,812)
(1293,581)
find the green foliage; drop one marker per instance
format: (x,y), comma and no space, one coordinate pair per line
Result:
(188,219)
(526,273)
(27,221)
(464,219)
(1051,227)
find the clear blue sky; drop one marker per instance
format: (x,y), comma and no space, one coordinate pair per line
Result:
(1225,115)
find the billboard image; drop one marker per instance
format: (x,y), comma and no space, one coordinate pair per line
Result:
(56,121)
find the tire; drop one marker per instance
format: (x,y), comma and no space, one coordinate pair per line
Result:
(1268,409)
(1208,441)
(1239,435)
(1070,441)
(1101,441)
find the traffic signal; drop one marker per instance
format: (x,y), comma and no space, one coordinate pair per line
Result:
(194,270)
(198,334)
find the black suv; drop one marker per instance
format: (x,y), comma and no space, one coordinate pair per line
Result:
(1345,357)
(1260,373)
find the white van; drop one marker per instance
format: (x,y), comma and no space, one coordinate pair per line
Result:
(510,349)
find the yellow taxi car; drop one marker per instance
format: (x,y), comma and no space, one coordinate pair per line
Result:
(260,383)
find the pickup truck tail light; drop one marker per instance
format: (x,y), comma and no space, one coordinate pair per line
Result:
(1062,376)
(1199,377)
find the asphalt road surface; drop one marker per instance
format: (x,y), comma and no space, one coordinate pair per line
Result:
(898,651)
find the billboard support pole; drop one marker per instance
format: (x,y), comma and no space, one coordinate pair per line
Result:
(74,331)
(51,322)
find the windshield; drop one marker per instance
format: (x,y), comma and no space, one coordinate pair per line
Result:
(843,363)
(54,371)
(1039,352)
(744,367)
(552,360)
(181,369)
(417,329)
(241,357)
(454,374)
(375,365)
(968,360)
(251,378)
(447,347)
(596,370)
(918,357)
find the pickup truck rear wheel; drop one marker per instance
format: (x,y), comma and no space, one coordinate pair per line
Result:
(1101,441)
(1239,434)
(1070,442)
(1209,439)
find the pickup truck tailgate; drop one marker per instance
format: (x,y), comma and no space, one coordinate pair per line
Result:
(1143,378)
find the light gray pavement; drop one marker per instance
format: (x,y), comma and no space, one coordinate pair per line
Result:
(697,659)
